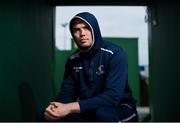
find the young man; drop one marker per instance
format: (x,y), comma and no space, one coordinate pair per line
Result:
(95,85)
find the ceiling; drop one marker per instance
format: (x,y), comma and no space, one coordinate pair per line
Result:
(101,2)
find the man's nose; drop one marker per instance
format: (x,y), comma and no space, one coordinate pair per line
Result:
(82,32)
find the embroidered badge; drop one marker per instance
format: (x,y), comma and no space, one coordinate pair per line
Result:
(100,70)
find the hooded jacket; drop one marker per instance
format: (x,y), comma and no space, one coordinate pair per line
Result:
(98,76)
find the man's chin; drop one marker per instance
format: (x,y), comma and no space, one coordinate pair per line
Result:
(84,47)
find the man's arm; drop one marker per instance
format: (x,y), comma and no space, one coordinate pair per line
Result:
(67,91)
(115,84)
(65,103)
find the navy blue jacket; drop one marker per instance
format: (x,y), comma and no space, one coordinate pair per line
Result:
(97,77)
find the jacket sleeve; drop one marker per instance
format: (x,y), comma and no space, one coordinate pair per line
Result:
(67,92)
(114,84)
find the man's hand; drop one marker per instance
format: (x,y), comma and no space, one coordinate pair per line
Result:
(57,110)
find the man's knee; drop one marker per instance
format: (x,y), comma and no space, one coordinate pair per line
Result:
(112,114)
(106,114)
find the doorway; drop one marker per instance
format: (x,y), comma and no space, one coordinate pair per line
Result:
(116,22)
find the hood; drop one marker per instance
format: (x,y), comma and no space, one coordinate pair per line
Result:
(91,20)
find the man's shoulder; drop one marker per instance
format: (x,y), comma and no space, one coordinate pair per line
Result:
(111,48)
(74,55)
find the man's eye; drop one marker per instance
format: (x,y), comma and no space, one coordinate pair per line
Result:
(86,28)
(75,30)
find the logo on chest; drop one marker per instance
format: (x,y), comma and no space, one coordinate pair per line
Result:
(100,70)
(77,69)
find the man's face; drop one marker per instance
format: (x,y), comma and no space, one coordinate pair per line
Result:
(82,34)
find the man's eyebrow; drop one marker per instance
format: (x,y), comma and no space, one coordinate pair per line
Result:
(84,26)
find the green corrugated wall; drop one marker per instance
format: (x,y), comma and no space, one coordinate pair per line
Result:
(26,53)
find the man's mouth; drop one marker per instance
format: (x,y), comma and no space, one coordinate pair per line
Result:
(83,40)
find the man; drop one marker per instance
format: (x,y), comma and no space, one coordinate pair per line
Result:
(95,85)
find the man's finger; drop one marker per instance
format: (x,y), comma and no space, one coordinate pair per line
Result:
(55,104)
(50,110)
(49,117)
